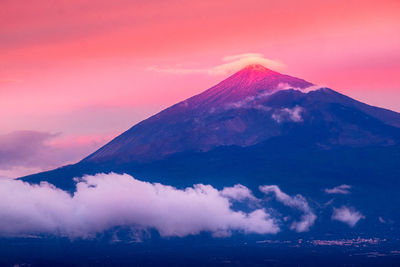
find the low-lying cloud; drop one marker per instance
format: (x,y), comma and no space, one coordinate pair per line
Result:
(112,201)
(104,201)
(297,202)
(347,215)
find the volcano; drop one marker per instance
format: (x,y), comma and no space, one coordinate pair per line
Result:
(261,127)
(252,109)
(248,108)
(230,113)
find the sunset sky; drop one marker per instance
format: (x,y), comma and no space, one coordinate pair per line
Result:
(74,74)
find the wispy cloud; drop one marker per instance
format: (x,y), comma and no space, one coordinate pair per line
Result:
(232,63)
(341,189)
(347,215)
(105,201)
(298,202)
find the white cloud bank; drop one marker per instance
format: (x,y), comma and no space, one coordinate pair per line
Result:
(347,215)
(298,202)
(105,201)
(233,64)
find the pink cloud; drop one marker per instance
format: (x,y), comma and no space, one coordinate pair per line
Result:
(27,152)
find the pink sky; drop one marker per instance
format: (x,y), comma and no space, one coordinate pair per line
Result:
(91,69)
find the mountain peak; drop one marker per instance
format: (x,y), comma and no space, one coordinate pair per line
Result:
(255,72)
(256,67)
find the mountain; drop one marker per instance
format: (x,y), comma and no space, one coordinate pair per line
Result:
(225,114)
(255,107)
(260,127)
(248,108)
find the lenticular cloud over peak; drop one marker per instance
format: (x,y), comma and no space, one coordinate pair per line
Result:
(104,201)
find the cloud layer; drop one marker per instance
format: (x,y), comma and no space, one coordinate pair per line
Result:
(105,201)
